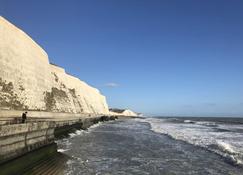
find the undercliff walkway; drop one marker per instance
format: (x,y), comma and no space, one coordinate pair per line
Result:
(8,117)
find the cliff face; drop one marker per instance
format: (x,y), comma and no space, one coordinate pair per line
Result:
(28,81)
(73,95)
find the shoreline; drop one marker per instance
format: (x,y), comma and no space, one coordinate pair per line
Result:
(130,147)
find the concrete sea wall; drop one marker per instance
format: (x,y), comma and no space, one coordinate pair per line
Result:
(18,141)
(44,155)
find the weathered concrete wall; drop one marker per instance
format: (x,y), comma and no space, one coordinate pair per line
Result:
(19,139)
(25,163)
(28,81)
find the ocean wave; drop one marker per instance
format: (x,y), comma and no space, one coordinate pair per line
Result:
(227,151)
(226,144)
(206,123)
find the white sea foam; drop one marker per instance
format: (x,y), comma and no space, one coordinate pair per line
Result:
(227,144)
(62,150)
(226,147)
(206,123)
(94,126)
(70,170)
(72,135)
(77,133)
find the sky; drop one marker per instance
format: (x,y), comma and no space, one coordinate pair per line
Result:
(157,57)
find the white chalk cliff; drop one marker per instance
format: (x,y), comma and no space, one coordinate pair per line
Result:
(28,81)
(128,112)
(122,112)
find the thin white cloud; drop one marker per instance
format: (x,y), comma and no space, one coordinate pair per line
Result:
(111,85)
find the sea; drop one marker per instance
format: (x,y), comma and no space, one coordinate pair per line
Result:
(156,146)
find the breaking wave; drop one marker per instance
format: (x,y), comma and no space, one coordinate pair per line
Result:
(212,136)
(76,133)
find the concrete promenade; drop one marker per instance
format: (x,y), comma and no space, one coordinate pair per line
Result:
(40,129)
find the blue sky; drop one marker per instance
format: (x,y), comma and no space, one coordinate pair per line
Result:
(159,57)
